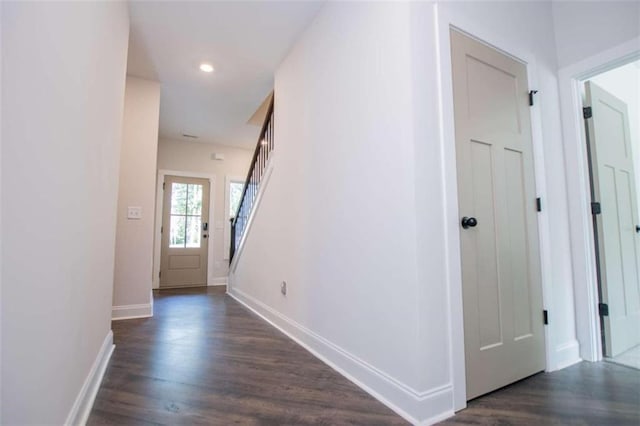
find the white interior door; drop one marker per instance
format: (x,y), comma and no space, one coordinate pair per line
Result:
(185,232)
(502,295)
(614,188)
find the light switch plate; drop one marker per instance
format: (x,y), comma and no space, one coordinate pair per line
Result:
(134,212)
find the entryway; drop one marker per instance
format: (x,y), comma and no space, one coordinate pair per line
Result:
(185,229)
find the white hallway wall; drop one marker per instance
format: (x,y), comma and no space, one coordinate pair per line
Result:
(337,220)
(134,237)
(364,150)
(63,78)
(187,156)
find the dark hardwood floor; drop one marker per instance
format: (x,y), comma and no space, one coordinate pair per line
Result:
(205,359)
(588,393)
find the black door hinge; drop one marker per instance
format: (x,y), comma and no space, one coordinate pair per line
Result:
(160,274)
(545,317)
(163,186)
(603,309)
(539,204)
(587,112)
(161,229)
(595,208)
(531,93)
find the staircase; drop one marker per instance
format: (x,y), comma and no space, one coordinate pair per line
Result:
(261,155)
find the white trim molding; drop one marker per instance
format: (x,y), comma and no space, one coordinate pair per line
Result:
(213,234)
(83,404)
(417,407)
(144,310)
(218,281)
(567,354)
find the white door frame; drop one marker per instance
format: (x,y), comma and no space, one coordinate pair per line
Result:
(157,242)
(585,280)
(227,217)
(478,31)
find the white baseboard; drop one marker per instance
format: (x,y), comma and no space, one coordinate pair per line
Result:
(123,312)
(83,404)
(567,354)
(217,281)
(419,408)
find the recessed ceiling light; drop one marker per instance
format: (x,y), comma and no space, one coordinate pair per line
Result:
(206,67)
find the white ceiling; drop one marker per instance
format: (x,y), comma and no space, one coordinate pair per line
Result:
(244,41)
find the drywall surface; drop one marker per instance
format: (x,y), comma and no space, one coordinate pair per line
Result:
(186,156)
(337,220)
(134,237)
(63,78)
(360,214)
(585,28)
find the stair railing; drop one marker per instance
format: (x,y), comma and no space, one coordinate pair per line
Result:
(261,156)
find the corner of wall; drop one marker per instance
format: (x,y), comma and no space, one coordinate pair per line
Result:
(137,178)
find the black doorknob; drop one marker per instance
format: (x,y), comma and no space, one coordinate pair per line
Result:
(469,222)
(638,228)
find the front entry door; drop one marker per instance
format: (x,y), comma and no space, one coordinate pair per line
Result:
(502,294)
(185,231)
(613,186)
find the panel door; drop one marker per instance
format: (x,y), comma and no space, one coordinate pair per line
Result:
(185,226)
(502,295)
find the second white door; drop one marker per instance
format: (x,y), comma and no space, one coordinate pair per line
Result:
(618,240)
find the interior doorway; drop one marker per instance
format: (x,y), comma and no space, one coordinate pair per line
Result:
(612,115)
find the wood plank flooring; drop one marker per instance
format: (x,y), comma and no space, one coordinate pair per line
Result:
(595,394)
(205,359)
